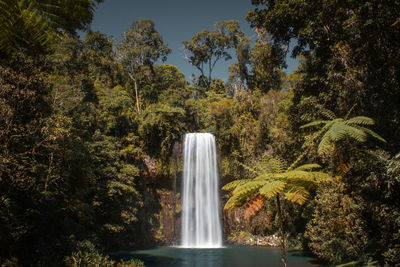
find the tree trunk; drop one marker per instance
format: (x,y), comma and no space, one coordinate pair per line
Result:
(283,252)
(137,96)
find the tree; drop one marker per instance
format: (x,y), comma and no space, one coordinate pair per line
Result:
(338,129)
(266,61)
(350,54)
(337,230)
(33,26)
(274,179)
(208,47)
(141,47)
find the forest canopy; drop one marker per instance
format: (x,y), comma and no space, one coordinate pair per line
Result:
(91,129)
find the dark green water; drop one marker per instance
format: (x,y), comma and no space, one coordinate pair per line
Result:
(222,257)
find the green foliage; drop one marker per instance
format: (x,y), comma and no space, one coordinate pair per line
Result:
(69,163)
(208,47)
(87,254)
(266,60)
(35,25)
(160,126)
(273,178)
(337,231)
(140,48)
(335,130)
(80,166)
(348,55)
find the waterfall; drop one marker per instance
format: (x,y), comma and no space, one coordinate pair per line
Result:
(201,224)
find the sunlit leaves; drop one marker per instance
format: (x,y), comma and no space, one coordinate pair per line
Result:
(274,177)
(208,47)
(339,129)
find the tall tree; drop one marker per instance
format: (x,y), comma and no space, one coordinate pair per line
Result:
(141,47)
(208,47)
(350,50)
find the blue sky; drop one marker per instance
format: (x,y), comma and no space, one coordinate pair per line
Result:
(176,20)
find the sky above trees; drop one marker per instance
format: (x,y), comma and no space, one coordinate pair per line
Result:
(176,20)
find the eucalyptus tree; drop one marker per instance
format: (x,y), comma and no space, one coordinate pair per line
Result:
(34,25)
(273,180)
(141,47)
(208,47)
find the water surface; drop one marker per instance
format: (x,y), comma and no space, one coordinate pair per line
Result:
(220,257)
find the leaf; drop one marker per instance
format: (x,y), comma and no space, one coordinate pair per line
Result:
(327,113)
(234,184)
(377,136)
(360,120)
(253,207)
(325,144)
(314,123)
(307,167)
(298,196)
(269,189)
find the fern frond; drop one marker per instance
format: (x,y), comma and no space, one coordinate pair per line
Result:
(249,168)
(325,144)
(327,113)
(313,123)
(254,206)
(339,130)
(360,120)
(241,193)
(373,134)
(232,202)
(270,189)
(298,196)
(298,159)
(265,177)
(307,167)
(274,165)
(311,138)
(234,184)
(247,188)
(307,176)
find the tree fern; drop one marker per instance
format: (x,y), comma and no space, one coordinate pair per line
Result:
(274,178)
(339,129)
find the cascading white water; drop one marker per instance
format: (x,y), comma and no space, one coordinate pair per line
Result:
(201,224)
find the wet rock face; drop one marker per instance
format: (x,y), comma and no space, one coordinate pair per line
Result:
(169,222)
(236,227)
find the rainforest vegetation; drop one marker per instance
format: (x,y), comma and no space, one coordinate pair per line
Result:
(90,130)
